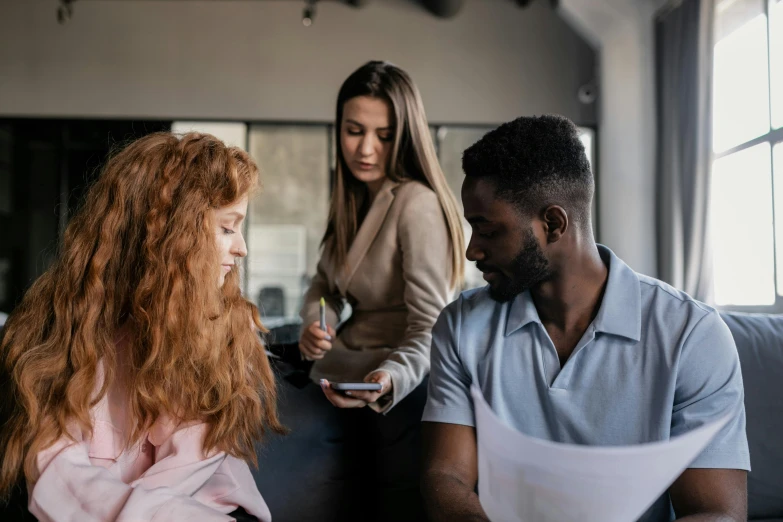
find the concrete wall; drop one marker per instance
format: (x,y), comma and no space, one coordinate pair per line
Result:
(254,60)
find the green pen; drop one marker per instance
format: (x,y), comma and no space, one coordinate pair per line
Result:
(322,325)
(323,314)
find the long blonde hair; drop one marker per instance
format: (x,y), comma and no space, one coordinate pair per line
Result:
(412,157)
(141,251)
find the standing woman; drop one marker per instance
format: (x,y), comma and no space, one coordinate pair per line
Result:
(393,250)
(136,382)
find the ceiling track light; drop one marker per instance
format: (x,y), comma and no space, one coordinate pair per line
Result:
(554,4)
(308,14)
(65,11)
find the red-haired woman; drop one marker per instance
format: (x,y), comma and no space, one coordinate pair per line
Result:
(137,379)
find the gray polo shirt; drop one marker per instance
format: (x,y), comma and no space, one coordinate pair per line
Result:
(653,364)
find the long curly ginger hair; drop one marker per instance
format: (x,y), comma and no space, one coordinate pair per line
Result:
(141,251)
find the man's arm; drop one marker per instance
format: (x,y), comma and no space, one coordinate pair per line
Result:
(450,473)
(710,495)
(709,386)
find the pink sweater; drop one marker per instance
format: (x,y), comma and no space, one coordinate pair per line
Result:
(164,477)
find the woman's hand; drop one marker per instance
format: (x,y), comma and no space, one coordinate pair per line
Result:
(314,342)
(359,398)
(381,377)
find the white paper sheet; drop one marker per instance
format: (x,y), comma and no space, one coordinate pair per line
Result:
(526,479)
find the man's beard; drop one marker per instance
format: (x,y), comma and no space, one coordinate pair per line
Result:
(529,268)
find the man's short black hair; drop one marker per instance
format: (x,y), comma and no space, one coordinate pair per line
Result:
(534,162)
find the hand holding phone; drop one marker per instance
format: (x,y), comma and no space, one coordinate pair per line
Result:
(358,394)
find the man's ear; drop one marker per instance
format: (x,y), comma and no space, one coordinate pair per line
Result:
(556,223)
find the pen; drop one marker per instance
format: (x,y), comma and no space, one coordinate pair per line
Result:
(322,325)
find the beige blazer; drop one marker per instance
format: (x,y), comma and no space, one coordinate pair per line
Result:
(397,280)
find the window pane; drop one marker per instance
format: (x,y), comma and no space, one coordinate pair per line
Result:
(453,142)
(777,162)
(233,134)
(587,137)
(730,15)
(741,78)
(776,48)
(741,213)
(288,218)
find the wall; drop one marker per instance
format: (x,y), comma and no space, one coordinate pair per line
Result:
(254,60)
(622,30)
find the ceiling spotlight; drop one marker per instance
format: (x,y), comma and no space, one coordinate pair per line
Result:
(308,15)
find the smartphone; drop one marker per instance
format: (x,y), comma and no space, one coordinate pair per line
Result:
(346,386)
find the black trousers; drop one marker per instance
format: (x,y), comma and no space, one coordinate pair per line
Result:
(339,465)
(383,461)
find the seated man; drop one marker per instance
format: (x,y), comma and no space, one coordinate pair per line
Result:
(567,342)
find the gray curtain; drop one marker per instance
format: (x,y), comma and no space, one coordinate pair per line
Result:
(684,48)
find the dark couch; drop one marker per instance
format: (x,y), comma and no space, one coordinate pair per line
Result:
(759,339)
(301,474)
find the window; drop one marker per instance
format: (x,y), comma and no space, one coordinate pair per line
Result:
(287,219)
(747,172)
